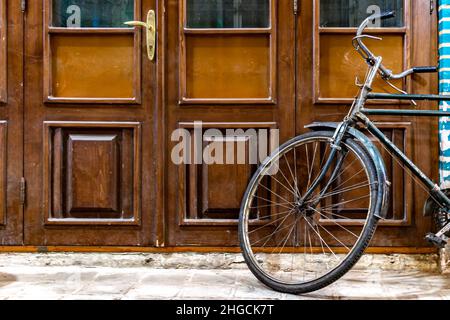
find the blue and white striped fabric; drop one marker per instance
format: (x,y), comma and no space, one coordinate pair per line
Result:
(444,88)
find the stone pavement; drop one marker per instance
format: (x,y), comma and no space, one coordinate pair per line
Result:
(78,276)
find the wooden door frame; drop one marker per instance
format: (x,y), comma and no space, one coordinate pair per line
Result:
(420,51)
(11,119)
(234,114)
(151,75)
(159,129)
(160,132)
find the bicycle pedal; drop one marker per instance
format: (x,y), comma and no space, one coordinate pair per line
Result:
(435,240)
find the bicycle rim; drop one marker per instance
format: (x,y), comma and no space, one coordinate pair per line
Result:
(290,246)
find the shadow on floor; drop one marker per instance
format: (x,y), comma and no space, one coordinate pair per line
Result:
(6,279)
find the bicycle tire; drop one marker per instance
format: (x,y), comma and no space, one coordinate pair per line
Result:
(358,248)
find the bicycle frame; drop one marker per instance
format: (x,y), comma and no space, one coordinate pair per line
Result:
(359,114)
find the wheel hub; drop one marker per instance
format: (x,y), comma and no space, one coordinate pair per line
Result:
(304,209)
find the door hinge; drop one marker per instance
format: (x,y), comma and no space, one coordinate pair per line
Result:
(23,191)
(296,7)
(23,5)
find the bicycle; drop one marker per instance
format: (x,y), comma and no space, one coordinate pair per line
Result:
(313,205)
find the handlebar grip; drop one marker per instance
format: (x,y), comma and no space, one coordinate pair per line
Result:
(425,69)
(387,15)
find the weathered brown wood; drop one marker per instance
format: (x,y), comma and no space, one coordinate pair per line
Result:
(3,171)
(3,51)
(344,63)
(95,172)
(116,51)
(11,130)
(223,51)
(153,193)
(276,110)
(88,155)
(406,226)
(112,249)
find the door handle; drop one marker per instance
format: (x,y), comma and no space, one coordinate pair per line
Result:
(150,28)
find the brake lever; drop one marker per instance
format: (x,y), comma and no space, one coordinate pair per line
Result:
(401,91)
(357,46)
(367,36)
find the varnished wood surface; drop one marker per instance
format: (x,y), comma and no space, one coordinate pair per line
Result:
(86,185)
(88,66)
(11,113)
(42,249)
(270,99)
(406,226)
(126,192)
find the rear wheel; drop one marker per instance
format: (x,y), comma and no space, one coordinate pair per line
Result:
(297,247)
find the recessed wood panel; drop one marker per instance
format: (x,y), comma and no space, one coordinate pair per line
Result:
(92,66)
(399,206)
(212,191)
(228,67)
(3,166)
(340,64)
(93,171)
(222,185)
(399,211)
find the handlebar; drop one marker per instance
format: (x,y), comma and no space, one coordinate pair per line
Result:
(371,58)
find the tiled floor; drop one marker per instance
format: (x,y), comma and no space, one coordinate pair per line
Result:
(40,282)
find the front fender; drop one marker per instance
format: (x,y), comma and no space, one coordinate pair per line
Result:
(383,191)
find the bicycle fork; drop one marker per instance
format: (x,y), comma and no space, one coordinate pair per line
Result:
(335,148)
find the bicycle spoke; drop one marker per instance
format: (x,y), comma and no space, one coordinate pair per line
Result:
(276,214)
(275,231)
(345,246)
(347,167)
(339,216)
(288,235)
(336,192)
(318,234)
(273,177)
(356,174)
(275,203)
(272,234)
(343,228)
(272,222)
(345,202)
(312,167)
(302,242)
(271,205)
(275,194)
(292,175)
(295,171)
(280,170)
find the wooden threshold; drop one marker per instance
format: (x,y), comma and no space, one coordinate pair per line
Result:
(83,249)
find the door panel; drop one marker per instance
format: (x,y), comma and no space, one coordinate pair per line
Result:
(326,89)
(235,72)
(89,134)
(11,131)
(92,172)
(98,115)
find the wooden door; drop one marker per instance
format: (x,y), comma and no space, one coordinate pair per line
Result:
(11,130)
(89,124)
(230,66)
(326,86)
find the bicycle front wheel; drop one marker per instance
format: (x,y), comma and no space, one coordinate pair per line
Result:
(297,247)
